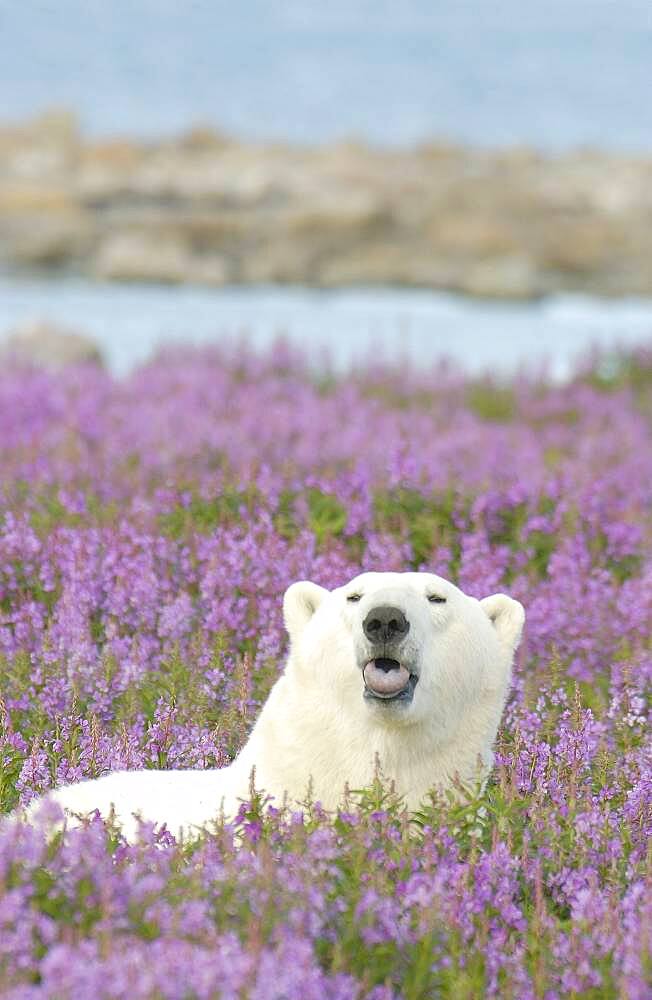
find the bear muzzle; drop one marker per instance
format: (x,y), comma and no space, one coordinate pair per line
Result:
(388,680)
(385,624)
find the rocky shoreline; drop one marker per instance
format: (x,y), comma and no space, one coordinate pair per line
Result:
(204,208)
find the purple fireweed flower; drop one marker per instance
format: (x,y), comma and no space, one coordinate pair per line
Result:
(148,529)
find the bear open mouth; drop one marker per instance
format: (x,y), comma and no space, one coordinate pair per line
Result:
(388,680)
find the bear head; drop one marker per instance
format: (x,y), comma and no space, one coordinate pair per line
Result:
(402,649)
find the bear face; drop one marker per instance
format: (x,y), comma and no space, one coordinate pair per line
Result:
(403,649)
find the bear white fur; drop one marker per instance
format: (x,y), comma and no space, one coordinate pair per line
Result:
(319,731)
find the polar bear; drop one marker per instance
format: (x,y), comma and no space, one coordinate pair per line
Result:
(398,670)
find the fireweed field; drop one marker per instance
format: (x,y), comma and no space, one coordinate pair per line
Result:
(147,532)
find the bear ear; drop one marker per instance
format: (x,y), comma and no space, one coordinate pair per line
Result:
(300,603)
(507,617)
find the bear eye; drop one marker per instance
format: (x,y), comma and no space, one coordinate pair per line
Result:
(353,597)
(436,599)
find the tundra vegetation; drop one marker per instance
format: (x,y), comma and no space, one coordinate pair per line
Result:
(148,529)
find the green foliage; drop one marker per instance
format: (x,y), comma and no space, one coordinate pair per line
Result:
(176,683)
(491,401)
(620,369)
(426,520)
(203,515)
(326,515)
(47,512)
(285,520)
(12,762)
(511,532)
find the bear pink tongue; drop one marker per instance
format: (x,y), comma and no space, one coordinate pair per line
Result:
(385,681)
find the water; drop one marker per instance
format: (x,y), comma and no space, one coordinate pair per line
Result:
(131,321)
(555,74)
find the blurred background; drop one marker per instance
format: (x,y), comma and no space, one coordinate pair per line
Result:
(416,177)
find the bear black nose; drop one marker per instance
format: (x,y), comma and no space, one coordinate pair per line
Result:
(384,624)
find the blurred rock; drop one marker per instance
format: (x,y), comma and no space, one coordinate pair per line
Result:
(139,257)
(48,346)
(510,223)
(54,239)
(509,276)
